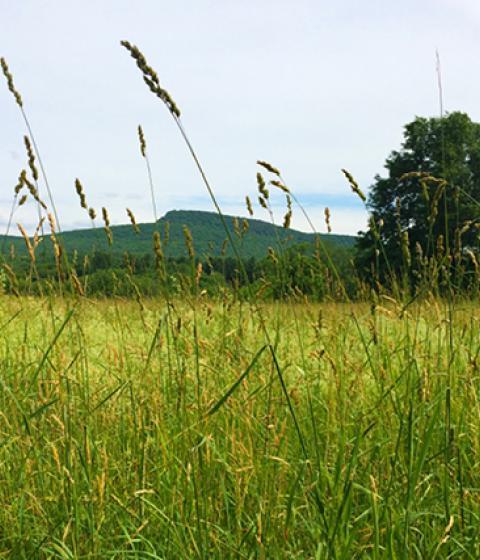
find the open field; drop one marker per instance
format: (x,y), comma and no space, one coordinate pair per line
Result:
(353,432)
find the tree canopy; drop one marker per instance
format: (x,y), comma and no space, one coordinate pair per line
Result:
(428,204)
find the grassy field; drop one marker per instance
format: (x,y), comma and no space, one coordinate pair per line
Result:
(209,429)
(225,426)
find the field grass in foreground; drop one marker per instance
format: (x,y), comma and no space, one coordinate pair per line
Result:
(119,437)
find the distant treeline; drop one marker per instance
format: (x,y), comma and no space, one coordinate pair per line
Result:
(301,270)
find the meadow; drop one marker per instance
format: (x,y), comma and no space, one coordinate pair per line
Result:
(214,429)
(309,412)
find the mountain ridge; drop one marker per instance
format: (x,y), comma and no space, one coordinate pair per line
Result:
(207,231)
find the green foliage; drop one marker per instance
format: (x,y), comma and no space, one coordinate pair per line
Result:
(363,444)
(432,189)
(107,270)
(207,232)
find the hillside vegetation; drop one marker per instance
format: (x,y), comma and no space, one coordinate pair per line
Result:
(206,228)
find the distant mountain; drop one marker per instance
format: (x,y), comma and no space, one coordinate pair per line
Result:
(207,231)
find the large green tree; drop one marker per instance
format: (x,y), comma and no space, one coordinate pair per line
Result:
(429,201)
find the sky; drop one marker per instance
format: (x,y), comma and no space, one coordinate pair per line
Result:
(311,86)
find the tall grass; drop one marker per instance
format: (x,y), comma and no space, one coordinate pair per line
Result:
(221,427)
(109,448)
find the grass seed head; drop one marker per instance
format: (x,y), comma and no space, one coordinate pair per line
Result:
(224,247)
(157,248)
(236,227)
(440,246)
(28,244)
(11,86)
(354,185)
(262,189)
(268,167)
(249,205)
(263,202)
(32,189)
(150,77)
(327,220)
(136,229)
(198,273)
(81,194)
(187,234)
(143,144)
(280,186)
(51,222)
(107,229)
(77,286)
(21,183)
(31,158)
(272,256)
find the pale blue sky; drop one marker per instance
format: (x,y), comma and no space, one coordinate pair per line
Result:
(311,86)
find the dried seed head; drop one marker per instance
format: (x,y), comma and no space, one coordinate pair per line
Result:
(224,247)
(143,144)
(280,186)
(81,194)
(327,220)
(198,273)
(27,242)
(245,226)
(157,248)
(77,286)
(473,258)
(36,236)
(287,219)
(249,205)
(10,83)
(31,158)
(354,185)
(423,176)
(426,194)
(107,229)
(466,226)
(187,234)
(289,202)
(92,213)
(141,60)
(268,167)
(262,189)
(151,79)
(51,222)
(105,217)
(22,201)
(236,227)
(136,229)
(19,186)
(262,202)
(33,191)
(440,245)
(271,255)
